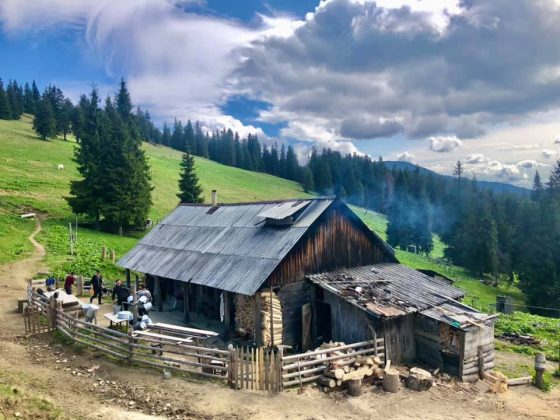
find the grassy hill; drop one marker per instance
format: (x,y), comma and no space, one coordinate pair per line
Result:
(29,180)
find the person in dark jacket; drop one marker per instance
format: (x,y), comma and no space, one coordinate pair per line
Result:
(70,280)
(97,286)
(120,292)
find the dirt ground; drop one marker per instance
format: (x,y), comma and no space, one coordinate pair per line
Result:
(83,385)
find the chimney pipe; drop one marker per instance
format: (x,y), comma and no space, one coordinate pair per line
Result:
(214,198)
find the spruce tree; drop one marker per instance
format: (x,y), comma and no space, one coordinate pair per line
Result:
(87,194)
(5,110)
(190,190)
(308,183)
(554,180)
(538,187)
(44,122)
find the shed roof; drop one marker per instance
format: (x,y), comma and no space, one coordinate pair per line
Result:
(387,289)
(457,314)
(226,247)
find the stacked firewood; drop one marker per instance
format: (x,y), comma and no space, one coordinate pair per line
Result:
(271,309)
(245,314)
(342,371)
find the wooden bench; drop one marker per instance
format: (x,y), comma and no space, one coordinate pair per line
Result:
(183,331)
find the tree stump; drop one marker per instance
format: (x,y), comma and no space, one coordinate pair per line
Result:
(391,380)
(419,380)
(354,387)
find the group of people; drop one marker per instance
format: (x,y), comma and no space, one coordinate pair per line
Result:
(120,292)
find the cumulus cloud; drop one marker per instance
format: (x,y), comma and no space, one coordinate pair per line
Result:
(475,158)
(444,144)
(405,157)
(528,164)
(548,154)
(420,62)
(557,140)
(363,128)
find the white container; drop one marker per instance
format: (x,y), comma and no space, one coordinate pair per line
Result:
(125,315)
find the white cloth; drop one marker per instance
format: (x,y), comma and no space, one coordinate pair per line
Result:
(222,309)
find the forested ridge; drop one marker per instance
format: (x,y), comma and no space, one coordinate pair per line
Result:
(506,237)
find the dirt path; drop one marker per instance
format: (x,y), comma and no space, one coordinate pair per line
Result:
(84,385)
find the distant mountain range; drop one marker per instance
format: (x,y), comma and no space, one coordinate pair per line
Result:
(497,187)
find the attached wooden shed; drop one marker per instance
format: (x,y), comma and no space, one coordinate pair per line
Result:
(419,317)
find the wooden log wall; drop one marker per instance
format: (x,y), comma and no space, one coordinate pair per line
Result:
(349,324)
(477,351)
(292,298)
(428,345)
(400,345)
(335,241)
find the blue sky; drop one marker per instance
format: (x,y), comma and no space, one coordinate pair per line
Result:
(427,81)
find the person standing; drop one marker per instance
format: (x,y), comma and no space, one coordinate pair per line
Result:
(70,280)
(97,286)
(120,292)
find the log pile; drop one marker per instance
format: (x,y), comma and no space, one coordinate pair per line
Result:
(245,307)
(271,309)
(340,373)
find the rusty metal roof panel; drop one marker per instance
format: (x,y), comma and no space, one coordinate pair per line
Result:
(228,246)
(388,289)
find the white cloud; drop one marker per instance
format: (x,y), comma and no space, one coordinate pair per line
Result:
(443,144)
(406,157)
(528,164)
(475,158)
(557,140)
(548,154)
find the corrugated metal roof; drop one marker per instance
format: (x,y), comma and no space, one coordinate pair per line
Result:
(227,247)
(457,314)
(284,210)
(388,289)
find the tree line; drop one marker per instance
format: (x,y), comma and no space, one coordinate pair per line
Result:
(502,236)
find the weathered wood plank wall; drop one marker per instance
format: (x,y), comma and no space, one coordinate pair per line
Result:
(292,298)
(336,241)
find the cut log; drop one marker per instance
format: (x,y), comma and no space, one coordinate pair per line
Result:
(354,387)
(377,372)
(391,380)
(519,381)
(419,379)
(357,374)
(377,360)
(335,374)
(326,381)
(388,364)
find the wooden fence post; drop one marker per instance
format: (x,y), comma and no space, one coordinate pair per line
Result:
(130,344)
(540,367)
(279,368)
(103,252)
(113,256)
(80,285)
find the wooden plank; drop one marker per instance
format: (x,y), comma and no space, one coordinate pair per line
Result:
(331,350)
(306,327)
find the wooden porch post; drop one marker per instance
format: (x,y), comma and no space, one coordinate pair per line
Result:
(258,321)
(128,278)
(227,314)
(158,293)
(186,307)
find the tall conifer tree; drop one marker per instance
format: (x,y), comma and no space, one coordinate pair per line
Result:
(190,190)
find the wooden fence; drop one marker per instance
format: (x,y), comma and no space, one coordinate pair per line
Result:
(255,368)
(307,367)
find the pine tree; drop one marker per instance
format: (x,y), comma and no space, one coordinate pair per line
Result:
(5,110)
(166,136)
(189,142)
(538,187)
(308,184)
(87,194)
(190,190)
(554,180)
(44,122)
(458,170)
(66,117)
(29,105)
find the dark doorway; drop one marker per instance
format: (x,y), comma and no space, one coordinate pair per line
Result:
(323,322)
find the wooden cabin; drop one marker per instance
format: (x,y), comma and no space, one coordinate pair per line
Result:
(302,272)
(419,316)
(245,264)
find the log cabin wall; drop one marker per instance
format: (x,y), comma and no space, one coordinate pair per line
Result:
(478,342)
(428,342)
(349,324)
(292,298)
(400,346)
(334,241)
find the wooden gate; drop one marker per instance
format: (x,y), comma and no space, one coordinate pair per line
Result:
(36,320)
(256,368)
